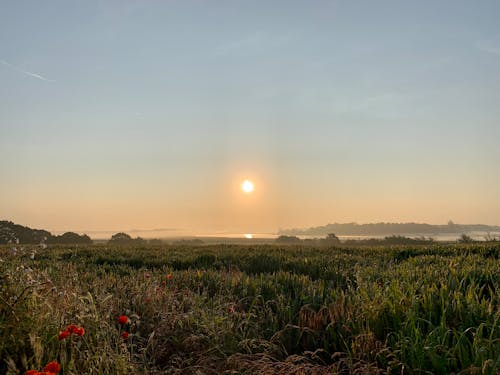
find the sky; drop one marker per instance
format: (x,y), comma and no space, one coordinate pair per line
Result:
(149,114)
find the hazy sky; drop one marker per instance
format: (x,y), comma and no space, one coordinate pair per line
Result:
(149,114)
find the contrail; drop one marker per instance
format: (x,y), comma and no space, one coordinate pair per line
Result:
(34,75)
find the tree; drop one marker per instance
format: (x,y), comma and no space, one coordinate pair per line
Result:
(120,239)
(464,238)
(332,238)
(288,239)
(69,238)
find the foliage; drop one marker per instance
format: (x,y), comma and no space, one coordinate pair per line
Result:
(384,229)
(287,239)
(18,234)
(464,238)
(125,239)
(69,238)
(258,309)
(11,233)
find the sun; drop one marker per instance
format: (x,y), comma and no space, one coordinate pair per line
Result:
(247,186)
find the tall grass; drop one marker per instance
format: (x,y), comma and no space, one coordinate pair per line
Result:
(253,309)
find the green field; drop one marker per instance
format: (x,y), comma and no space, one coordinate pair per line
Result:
(252,309)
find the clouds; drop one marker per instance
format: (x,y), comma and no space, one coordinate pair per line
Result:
(25,72)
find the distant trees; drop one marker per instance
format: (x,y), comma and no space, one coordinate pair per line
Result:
(465,238)
(388,229)
(288,239)
(15,233)
(490,238)
(70,238)
(391,240)
(331,239)
(18,234)
(122,238)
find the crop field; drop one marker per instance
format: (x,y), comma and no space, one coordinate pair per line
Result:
(263,309)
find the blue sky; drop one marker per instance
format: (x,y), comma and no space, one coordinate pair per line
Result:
(121,114)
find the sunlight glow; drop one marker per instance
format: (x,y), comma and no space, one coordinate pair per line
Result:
(247,186)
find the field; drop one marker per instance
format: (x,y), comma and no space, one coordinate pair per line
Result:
(251,309)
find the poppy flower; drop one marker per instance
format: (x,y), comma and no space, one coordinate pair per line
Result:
(64,334)
(123,319)
(72,328)
(231,309)
(31,372)
(169,277)
(125,335)
(52,367)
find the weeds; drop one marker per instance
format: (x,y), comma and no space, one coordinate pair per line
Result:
(263,309)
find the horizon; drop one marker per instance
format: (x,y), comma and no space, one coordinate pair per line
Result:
(248,117)
(178,233)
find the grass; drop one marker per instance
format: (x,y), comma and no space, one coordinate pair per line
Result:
(253,309)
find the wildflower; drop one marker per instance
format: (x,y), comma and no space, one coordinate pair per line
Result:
(64,334)
(52,367)
(169,277)
(123,319)
(72,328)
(147,275)
(231,309)
(163,283)
(125,335)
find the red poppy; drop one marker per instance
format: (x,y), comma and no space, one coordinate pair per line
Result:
(125,335)
(169,277)
(31,372)
(79,331)
(231,309)
(63,334)
(52,367)
(72,328)
(123,319)
(163,283)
